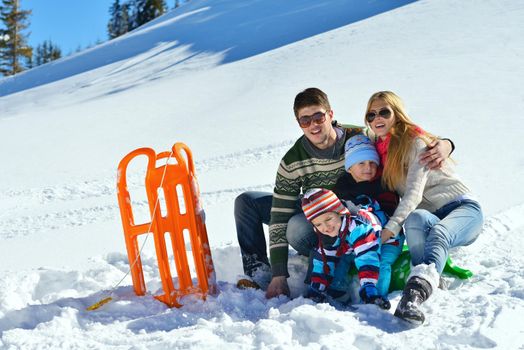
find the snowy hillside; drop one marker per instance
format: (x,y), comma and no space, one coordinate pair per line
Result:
(220,76)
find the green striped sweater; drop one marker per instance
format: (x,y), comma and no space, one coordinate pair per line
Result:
(298,172)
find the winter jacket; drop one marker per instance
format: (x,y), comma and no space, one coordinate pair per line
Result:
(359,193)
(356,237)
(348,189)
(424,188)
(300,170)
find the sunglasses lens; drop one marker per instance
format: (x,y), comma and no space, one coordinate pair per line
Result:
(385,113)
(304,121)
(319,117)
(370,117)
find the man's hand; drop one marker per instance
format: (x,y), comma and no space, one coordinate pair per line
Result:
(385,235)
(438,151)
(277,286)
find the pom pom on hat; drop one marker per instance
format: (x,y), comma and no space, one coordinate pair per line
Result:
(318,201)
(359,148)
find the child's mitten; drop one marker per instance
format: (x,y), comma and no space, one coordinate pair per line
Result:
(369,295)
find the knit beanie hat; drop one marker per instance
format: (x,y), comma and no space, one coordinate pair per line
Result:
(318,201)
(358,149)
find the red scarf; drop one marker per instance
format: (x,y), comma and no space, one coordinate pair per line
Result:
(382,150)
(383,145)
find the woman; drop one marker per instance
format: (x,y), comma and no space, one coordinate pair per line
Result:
(437,209)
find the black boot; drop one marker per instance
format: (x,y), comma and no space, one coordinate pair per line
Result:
(416,291)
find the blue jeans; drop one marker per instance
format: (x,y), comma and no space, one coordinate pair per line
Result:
(252,210)
(431,235)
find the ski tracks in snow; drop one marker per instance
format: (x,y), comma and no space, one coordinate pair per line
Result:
(40,210)
(487,305)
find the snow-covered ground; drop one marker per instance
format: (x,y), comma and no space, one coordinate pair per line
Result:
(220,76)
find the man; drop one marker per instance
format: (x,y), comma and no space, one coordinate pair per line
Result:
(316,160)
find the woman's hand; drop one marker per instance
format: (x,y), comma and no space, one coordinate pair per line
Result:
(277,286)
(386,235)
(438,151)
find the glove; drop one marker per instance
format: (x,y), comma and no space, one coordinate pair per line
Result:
(315,294)
(369,295)
(367,292)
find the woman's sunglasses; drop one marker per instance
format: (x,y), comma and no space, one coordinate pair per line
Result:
(317,118)
(384,113)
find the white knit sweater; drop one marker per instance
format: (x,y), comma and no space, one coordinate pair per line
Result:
(424,188)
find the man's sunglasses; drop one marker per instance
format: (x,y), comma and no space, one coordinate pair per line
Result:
(384,113)
(317,118)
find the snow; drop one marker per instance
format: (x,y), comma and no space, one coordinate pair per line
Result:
(220,76)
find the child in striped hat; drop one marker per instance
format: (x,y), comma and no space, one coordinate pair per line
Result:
(342,238)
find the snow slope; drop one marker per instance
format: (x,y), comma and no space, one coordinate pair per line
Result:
(220,76)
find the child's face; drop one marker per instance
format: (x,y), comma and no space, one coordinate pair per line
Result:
(328,223)
(363,171)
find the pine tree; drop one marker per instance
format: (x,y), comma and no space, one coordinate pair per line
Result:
(14,50)
(125,21)
(112,25)
(3,38)
(119,21)
(133,13)
(40,52)
(46,52)
(148,10)
(132,7)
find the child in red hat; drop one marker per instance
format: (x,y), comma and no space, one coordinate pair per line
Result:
(342,239)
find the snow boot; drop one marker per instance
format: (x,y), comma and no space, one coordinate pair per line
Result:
(245,283)
(416,291)
(258,276)
(424,279)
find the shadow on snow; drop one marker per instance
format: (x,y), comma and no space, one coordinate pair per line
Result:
(235,29)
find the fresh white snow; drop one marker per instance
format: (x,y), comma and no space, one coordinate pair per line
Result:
(220,76)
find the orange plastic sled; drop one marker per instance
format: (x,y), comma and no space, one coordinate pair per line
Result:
(184,215)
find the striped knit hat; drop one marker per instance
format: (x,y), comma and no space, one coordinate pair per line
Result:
(318,201)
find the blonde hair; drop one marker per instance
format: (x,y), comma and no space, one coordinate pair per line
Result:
(403,135)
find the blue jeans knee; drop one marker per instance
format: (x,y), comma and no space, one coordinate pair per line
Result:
(300,234)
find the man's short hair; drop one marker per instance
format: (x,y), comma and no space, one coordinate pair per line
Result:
(311,97)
